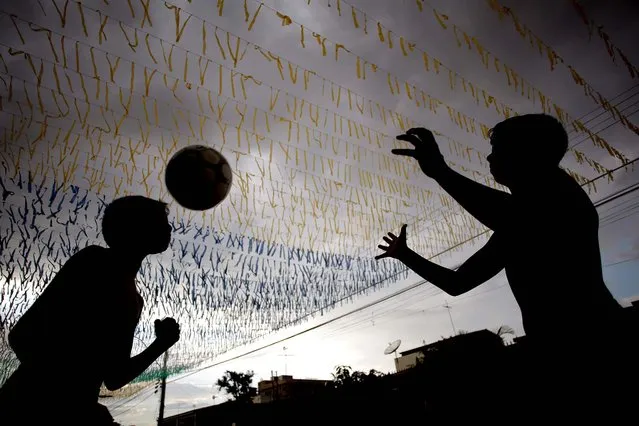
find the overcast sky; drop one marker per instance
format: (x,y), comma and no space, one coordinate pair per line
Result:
(418,315)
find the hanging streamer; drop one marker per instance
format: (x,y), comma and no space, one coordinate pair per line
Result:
(94,110)
(613,51)
(514,79)
(555,59)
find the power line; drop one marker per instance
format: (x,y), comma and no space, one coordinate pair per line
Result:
(138,403)
(602,202)
(598,204)
(620,193)
(603,111)
(402,291)
(606,200)
(621,262)
(133,397)
(586,138)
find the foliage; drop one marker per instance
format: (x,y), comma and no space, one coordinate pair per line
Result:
(344,376)
(238,385)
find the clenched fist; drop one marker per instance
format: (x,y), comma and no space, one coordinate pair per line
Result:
(167,332)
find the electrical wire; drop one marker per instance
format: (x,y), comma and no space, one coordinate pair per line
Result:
(602,202)
(402,291)
(344,329)
(413,299)
(621,262)
(133,406)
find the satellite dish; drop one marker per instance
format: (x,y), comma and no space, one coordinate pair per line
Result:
(392,347)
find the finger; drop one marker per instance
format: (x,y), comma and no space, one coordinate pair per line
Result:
(416,130)
(388,240)
(409,138)
(381,247)
(405,152)
(403,231)
(420,132)
(393,236)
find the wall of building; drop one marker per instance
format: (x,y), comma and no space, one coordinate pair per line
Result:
(286,387)
(408,361)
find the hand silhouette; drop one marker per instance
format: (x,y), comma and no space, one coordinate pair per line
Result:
(396,247)
(167,332)
(426,151)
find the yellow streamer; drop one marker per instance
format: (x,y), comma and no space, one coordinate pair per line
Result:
(61,14)
(179,29)
(286,20)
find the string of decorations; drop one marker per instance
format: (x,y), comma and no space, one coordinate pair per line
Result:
(614,52)
(94,111)
(554,59)
(385,36)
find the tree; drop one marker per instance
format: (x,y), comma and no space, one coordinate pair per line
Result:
(344,376)
(238,385)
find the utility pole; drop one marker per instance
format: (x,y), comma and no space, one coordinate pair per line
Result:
(448,307)
(163,389)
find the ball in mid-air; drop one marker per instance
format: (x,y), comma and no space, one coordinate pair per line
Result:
(198,177)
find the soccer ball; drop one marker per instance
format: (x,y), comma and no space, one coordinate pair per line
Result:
(198,177)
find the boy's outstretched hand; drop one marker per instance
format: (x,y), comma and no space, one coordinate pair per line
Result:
(396,247)
(167,332)
(426,151)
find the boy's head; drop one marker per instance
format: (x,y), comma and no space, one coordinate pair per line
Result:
(137,224)
(526,145)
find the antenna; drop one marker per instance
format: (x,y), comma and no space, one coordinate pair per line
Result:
(447,306)
(285,355)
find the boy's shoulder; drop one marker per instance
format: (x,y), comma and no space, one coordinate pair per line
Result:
(88,257)
(91,251)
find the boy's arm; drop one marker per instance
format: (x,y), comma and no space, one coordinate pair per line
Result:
(486,204)
(481,267)
(123,368)
(478,269)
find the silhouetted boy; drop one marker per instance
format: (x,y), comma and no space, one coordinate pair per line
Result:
(545,237)
(79,333)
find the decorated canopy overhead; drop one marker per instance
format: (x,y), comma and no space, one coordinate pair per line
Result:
(305,103)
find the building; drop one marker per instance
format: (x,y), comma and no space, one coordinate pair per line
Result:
(475,342)
(287,387)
